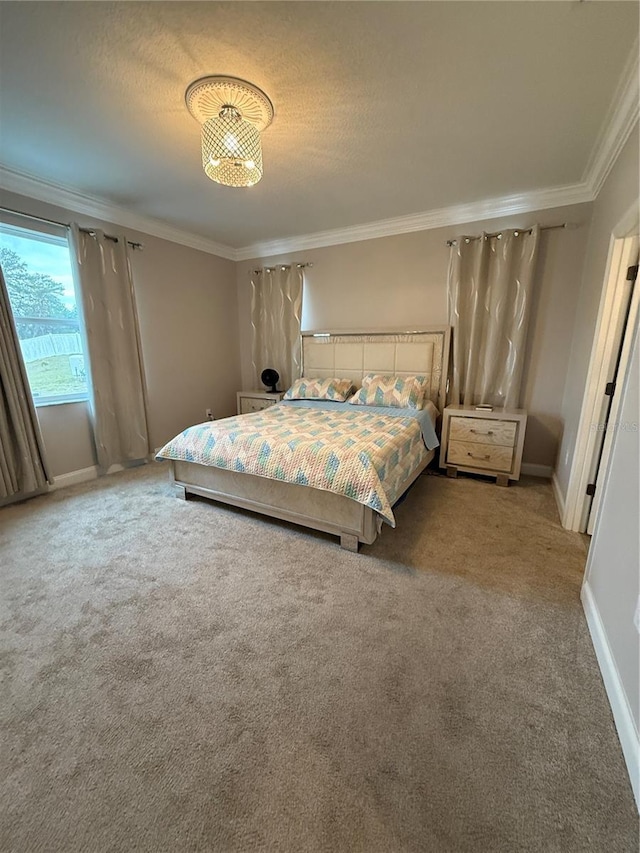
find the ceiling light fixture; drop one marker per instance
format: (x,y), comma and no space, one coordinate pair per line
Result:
(232,113)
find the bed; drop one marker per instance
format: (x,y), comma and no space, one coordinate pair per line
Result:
(252,477)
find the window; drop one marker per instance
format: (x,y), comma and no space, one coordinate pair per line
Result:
(37,271)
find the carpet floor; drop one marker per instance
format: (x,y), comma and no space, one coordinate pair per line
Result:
(187,677)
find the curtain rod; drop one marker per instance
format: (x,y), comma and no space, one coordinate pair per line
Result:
(516,230)
(301,266)
(91,231)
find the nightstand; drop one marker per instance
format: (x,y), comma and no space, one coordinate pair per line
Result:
(255,401)
(483,442)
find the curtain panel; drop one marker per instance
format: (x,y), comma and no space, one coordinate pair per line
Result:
(489,292)
(116,386)
(23,469)
(276,314)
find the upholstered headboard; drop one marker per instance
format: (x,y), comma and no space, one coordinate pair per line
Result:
(351,354)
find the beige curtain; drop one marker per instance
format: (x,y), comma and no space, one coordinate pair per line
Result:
(23,469)
(276,312)
(490,281)
(117,390)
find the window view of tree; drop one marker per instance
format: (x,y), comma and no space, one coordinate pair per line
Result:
(33,295)
(37,272)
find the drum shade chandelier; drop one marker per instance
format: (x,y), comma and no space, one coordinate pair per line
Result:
(232,113)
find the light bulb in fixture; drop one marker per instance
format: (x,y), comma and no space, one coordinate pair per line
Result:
(231,143)
(231,149)
(232,113)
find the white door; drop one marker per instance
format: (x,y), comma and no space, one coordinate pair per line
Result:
(623,319)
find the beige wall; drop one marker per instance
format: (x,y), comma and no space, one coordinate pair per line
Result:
(67,436)
(614,556)
(618,194)
(402,281)
(187,307)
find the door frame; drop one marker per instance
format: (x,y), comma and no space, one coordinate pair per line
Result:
(576,501)
(626,344)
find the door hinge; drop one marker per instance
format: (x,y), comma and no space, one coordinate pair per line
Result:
(609,389)
(591,489)
(632,273)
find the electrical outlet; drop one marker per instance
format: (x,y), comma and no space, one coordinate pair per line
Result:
(208,414)
(636,616)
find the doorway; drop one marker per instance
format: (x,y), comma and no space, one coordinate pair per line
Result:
(616,321)
(624,324)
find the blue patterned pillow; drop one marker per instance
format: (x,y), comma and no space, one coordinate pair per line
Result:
(402,392)
(337,390)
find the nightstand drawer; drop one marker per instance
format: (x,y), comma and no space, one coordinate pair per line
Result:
(481,431)
(472,454)
(256,401)
(254,404)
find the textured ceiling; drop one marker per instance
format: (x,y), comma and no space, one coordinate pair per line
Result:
(382,109)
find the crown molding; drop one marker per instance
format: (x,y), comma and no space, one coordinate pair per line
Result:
(617,125)
(444,217)
(76,202)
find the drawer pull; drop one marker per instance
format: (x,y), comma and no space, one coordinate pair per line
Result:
(479,432)
(488,456)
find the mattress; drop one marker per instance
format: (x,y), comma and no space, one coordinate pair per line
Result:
(364,453)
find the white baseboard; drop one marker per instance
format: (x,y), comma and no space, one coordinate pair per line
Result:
(73,477)
(557,493)
(534,470)
(622,716)
(83,475)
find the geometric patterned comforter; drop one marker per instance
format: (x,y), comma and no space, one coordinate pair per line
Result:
(364,455)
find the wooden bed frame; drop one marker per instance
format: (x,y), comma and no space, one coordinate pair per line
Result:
(348,355)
